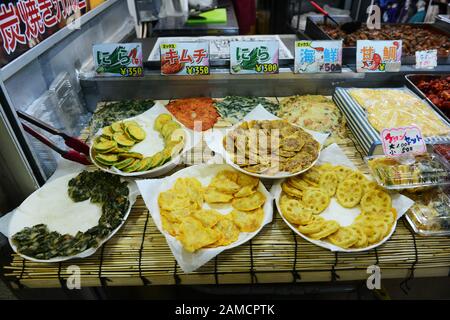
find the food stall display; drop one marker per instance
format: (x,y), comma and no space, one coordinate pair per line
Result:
(144,217)
(369,111)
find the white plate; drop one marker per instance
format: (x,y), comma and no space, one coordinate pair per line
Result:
(214,139)
(152,144)
(344,216)
(150,190)
(52,206)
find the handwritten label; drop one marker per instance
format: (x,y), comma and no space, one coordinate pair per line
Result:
(378,55)
(403,140)
(254,57)
(426,59)
(185,58)
(318,56)
(118,59)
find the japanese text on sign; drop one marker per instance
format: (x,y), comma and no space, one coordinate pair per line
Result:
(254,57)
(378,56)
(403,140)
(426,59)
(124,59)
(318,56)
(27,20)
(185,58)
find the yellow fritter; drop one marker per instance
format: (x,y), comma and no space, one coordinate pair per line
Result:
(376,201)
(295,212)
(246,180)
(329,227)
(245,191)
(212,195)
(227,230)
(193,235)
(342,172)
(316,200)
(170,200)
(361,237)
(293,192)
(248,221)
(345,237)
(209,218)
(315,225)
(170,227)
(349,193)
(328,182)
(249,203)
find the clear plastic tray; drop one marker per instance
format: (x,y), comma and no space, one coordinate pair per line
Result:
(430,214)
(423,170)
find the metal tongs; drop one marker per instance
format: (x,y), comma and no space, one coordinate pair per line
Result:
(80,150)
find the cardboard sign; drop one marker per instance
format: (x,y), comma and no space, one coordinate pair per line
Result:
(426,59)
(254,57)
(318,56)
(402,141)
(185,58)
(378,55)
(118,59)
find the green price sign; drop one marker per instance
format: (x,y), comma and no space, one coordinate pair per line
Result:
(118,59)
(253,57)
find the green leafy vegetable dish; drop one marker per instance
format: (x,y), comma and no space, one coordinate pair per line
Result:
(234,108)
(103,189)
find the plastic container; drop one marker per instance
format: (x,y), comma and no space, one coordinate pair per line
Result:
(423,170)
(430,214)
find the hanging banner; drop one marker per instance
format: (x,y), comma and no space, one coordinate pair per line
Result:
(26,23)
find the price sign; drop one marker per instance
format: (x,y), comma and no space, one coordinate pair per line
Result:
(378,55)
(253,57)
(118,59)
(318,56)
(426,59)
(403,140)
(185,58)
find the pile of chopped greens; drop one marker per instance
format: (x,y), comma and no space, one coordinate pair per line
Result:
(101,188)
(234,108)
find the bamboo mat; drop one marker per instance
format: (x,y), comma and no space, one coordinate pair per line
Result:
(139,255)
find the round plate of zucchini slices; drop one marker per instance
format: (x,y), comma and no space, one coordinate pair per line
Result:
(149,144)
(70,217)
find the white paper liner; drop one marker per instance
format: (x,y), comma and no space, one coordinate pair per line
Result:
(150,190)
(51,205)
(153,143)
(344,216)
(214,140)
